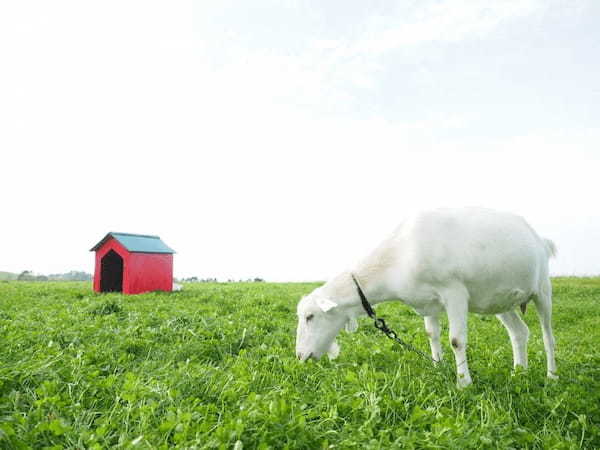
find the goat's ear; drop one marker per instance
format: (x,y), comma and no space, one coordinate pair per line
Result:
(325,304)
(351,325)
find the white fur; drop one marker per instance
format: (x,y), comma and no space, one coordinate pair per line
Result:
(452,260)
(351,325)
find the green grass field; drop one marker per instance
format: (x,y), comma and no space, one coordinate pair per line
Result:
(213,366)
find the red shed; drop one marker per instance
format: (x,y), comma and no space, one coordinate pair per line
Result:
(132,264)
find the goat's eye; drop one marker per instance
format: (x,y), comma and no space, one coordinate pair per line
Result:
(310,317)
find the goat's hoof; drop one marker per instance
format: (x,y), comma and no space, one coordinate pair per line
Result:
(463,381)
(552,376)
(518,369)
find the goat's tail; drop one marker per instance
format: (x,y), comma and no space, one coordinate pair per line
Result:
(550,247)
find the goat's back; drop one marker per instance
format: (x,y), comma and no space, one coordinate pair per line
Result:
(492,253)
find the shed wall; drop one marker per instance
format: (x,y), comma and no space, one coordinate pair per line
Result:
(149,272)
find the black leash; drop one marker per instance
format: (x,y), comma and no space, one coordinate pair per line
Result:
(382,326)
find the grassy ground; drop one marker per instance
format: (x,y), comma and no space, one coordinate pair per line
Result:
(213,366)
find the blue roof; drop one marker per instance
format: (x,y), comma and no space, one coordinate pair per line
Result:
(137,243)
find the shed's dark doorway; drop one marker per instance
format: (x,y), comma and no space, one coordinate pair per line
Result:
(111,273)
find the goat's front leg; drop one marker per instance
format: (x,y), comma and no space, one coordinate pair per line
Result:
(432,327)
(457,307)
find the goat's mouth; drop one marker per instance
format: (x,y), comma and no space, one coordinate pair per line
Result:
(304,356)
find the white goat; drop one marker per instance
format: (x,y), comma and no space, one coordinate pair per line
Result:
(457,260)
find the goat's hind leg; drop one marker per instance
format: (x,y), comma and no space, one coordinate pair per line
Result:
(518,333)
(543,304)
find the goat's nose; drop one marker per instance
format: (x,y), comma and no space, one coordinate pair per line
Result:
(302,358)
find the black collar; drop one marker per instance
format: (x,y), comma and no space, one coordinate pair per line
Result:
(363,298)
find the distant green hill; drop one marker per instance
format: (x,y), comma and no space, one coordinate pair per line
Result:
(7,276)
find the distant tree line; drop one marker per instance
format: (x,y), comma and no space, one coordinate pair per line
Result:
(198,280)
(214,280)
(73,275)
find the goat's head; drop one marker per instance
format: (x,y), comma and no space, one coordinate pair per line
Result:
(320,319)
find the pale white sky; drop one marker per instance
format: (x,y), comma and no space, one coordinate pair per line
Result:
(284,139)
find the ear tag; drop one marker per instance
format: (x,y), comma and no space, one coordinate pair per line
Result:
(325,304)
